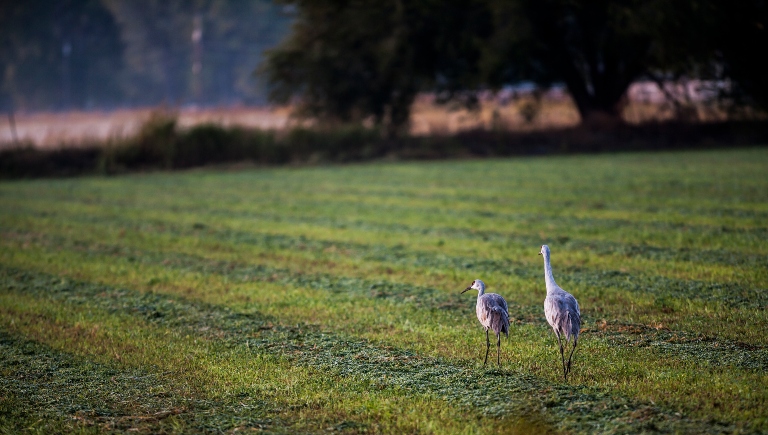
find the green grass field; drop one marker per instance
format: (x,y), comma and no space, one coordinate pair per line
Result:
(327,299)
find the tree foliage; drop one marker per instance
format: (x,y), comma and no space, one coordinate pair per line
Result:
(349,60)
(597,48)
(352,59)
(742,42)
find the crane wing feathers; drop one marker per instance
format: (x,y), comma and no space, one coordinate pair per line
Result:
(493,313)
(562,313)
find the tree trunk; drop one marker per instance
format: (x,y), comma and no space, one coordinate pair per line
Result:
(599,110)
(583,50)
(599,97)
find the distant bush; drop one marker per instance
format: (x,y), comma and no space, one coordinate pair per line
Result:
(153,146)
(342,144)
(26,161)
(161,144)
(210,143)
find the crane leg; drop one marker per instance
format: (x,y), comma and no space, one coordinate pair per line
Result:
(487,347)
(562,357)
(571,355)
(498,350)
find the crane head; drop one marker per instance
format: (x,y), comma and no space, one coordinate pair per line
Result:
(476,285)
(544,250)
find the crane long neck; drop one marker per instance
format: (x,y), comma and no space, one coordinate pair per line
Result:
(481,291)
(548,277)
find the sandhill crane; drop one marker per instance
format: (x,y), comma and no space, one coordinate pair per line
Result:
(561,311)
(493,314)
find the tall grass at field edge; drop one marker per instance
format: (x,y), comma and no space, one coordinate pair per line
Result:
(161,144)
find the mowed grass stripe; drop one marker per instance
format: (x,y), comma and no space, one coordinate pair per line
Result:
(624,302)
(644,346)
(670,377)
(46,390)
(394,293)
(494,393)
(430,253)
(238,384)
(610,182)
(750,252)
(528,226)
(629,180)
(741,293)
(664,261)
(629,302)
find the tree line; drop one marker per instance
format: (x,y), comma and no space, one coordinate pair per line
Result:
(368,59)
(354,60)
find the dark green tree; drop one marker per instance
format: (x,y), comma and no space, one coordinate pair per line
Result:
(740,41)
(355,59)
(352,60)
(597,48)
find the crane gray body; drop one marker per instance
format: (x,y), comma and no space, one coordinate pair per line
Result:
(562,312)
(493,314)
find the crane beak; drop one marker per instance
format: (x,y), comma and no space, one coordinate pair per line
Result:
(539,253)
(468,288)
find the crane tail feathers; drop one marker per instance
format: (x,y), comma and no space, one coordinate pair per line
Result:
(500,321)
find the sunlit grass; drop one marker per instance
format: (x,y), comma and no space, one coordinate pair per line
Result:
(665,253)
(203,368)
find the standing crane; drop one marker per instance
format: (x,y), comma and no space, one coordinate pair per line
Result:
(493,314)
(561,311)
